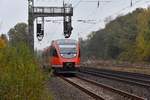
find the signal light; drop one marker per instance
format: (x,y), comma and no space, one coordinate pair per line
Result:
(39,26)
(40,32)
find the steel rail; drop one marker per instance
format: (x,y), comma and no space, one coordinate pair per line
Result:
(93,95)
(115,78)
(121,75)
(120,92)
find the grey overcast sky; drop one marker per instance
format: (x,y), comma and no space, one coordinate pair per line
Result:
(15,11)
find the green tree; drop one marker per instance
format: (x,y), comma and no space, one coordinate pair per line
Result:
(117,40)
(19,33)
(20,75)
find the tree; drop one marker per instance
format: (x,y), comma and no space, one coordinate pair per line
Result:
(3,41)
(4,37)
(143,38)
(19,33)
(126,38)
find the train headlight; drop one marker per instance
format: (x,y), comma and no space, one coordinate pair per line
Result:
(74,55)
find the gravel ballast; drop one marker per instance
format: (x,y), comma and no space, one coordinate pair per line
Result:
(62,90)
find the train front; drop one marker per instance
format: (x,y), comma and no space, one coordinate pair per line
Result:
(69,56)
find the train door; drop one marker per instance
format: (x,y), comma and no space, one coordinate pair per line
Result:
(54,58)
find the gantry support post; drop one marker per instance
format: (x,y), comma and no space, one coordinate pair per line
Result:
(31,23)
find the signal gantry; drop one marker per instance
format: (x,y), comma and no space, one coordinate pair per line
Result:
(35,12)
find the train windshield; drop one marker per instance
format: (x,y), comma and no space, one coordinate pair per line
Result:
(68,51)
(68,48)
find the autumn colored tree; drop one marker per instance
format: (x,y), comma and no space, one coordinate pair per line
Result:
(143,38)
(3,41)
(126,38)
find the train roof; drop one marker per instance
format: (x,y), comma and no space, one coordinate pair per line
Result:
(66,41)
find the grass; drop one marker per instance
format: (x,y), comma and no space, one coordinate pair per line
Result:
(20,76)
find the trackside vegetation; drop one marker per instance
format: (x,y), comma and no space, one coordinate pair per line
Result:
(20,75)
(126,38)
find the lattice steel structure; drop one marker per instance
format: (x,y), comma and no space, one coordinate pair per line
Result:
(34,12)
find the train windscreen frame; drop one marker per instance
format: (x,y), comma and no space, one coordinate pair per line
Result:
(68,48)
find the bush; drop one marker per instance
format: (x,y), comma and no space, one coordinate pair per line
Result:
(20,76)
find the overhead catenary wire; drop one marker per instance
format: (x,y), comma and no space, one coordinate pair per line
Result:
(68,1)
(59,21)
(116,13)
(133,3)
(129,6)
(77,2)
(90,1)
(95,1)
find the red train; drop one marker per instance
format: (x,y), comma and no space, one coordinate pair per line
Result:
(63,56)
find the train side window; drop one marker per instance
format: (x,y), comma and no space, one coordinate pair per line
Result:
(55,52)
(51,52)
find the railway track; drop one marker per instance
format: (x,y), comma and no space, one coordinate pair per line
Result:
(125,95)
(118,76)
(93,95)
